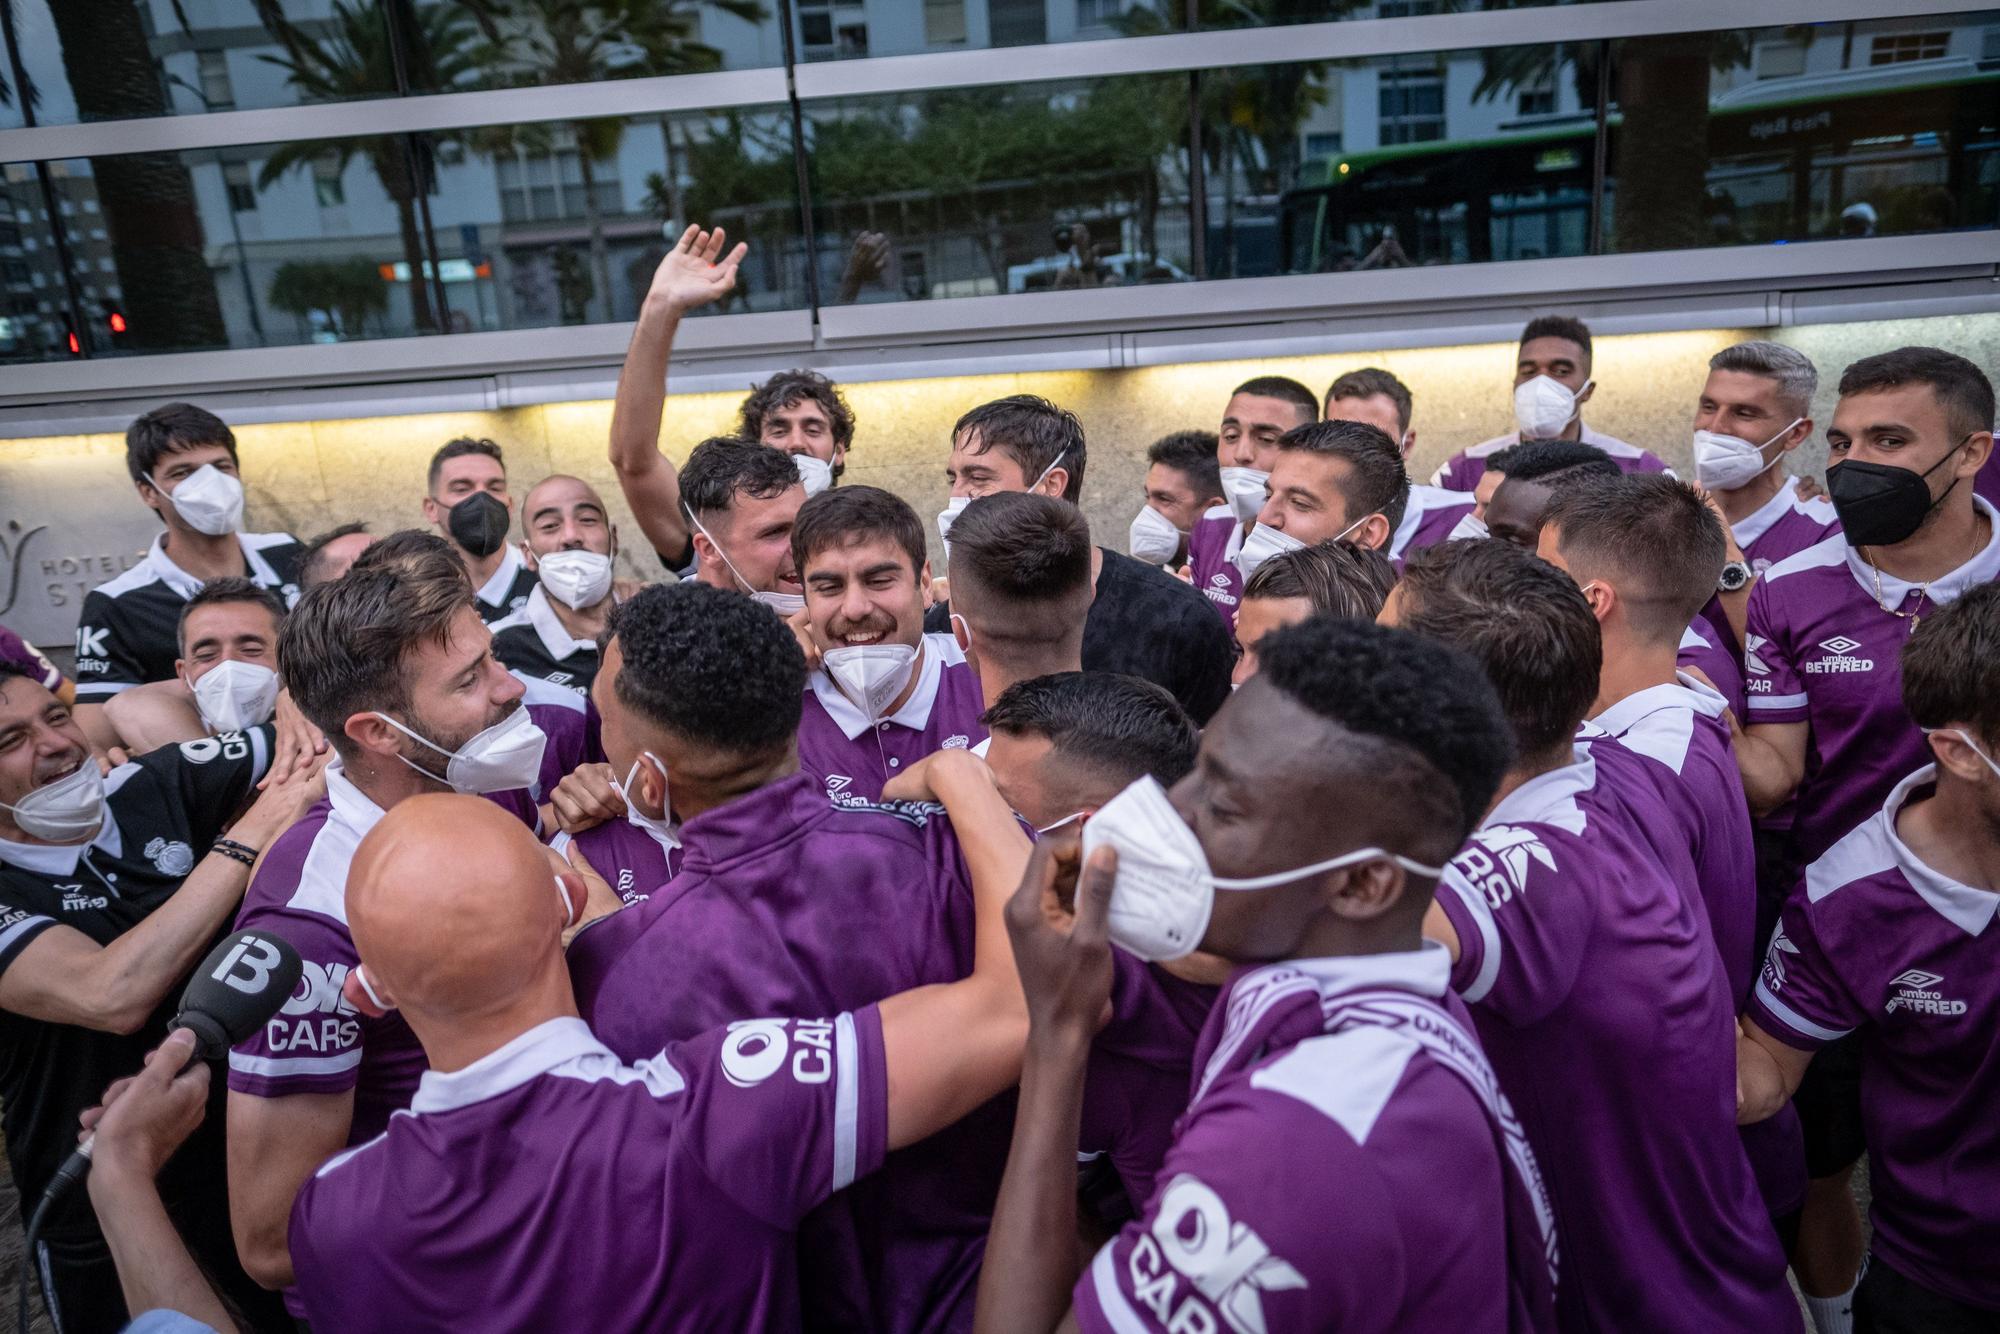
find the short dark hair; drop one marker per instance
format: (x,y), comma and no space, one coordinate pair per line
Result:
(1525,621)
(1377,482)
(1531,460)
(710,666)
(1368,382)
(788,389)
(723,466)
(169,429)
(1653,537)
(849,514)
(1960,387)
(1416,699)
(1029,556)
(229,588)
(1340,579)
(1951,665)
(413,549)
(1033,432)
(1284,389)
(312,565)
(1119,727)
(458,449)
(1192,454)
(1790,369)
(1566,327)
(342,649)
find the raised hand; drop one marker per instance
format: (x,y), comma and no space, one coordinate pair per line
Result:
(695,272)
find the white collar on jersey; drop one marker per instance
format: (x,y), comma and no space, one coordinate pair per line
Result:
(322,886)
(555,639)
(185,584)
(1425,970)
(494,591)
(1983,568)
(1759,521)
(938,652)
(1875,847)
(563,1047)
(1549,798)
(1684,692)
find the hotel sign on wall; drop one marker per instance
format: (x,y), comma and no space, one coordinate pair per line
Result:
(66,525)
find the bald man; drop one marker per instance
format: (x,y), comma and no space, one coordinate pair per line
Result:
(485,1206)
(570,543)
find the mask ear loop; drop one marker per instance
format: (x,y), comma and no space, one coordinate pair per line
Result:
(375,1007)
(689,510)
(572,911)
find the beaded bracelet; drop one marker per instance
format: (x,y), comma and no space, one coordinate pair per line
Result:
(236,852)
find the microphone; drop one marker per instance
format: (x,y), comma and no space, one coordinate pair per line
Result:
(243,982)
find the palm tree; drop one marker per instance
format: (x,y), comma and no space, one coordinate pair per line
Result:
(534,42)
(355,60)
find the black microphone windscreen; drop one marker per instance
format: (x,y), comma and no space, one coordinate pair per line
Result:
(243,982)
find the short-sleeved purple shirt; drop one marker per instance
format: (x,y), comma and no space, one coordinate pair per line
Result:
(1877,942)
(1136,1084)
(570,722)
(490,1204)
(1332,1172)
(1428,519)
(17,652)
(1701,651)
(1780,528)
(1826,651)
(856,756)
(1462,471)
(788,903)
(1212,548)
(631,860)
(1602,1001)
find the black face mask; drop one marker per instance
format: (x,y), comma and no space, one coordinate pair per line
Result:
(1880,504)
(479,524)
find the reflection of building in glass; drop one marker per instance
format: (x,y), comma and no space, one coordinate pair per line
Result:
(34,303)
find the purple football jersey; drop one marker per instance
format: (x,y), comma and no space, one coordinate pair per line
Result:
(1136,1084)
(1876,941)
(1428,519)
(17,652)
(855,756)
(1212,548)
(1825,651)
(1344,1164)
(1602,1001)
(1695,808)
(1703,652)
(788,903)
(1779,529)
(485,1206)
(1462,471)
(569,720)
(630,859)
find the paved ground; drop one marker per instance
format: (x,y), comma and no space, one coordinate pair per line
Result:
(10,1260)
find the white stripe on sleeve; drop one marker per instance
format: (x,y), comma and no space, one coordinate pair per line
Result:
(1104,1282)
(1763,703)
(846,1100)
(277,1067)
(21,928)
(1489,933)
(1795,1021)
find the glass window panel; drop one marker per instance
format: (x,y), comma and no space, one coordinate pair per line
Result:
(1280,13)
(1449,158)
(34,305)
(527,43)
(564,223)
(1888,128)
(849,29)
(1028,187)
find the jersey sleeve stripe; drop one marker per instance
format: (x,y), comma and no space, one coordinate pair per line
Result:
(1475,906)
(26,927)
(846,1101)
(1118,1312)
(279,1066)
(1795,1021)
(89,690)
(260,754)
(1772,703)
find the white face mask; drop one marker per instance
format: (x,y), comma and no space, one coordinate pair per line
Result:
(577,579)
(785,604)
(871,675)
(1725,462)
(816,474)
(210,500)
(956,505)
(1544,407)
(1165,892)
(506,756)
(660,828)
(1245,488)
(1471,526)
(66,810)
(234,695)
(1154,539)
(1263,543)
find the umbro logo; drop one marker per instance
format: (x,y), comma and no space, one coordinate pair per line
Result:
(561,678)
(1840,650)
(1220,580)
(1840,644)
(1916,993)
(837,793)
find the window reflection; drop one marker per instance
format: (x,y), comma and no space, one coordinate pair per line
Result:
(1026,188)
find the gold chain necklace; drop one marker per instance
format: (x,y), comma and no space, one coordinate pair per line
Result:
(1923,592)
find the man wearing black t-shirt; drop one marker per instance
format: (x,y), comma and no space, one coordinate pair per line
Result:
(109,895)
(1143,622)
(183,461)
